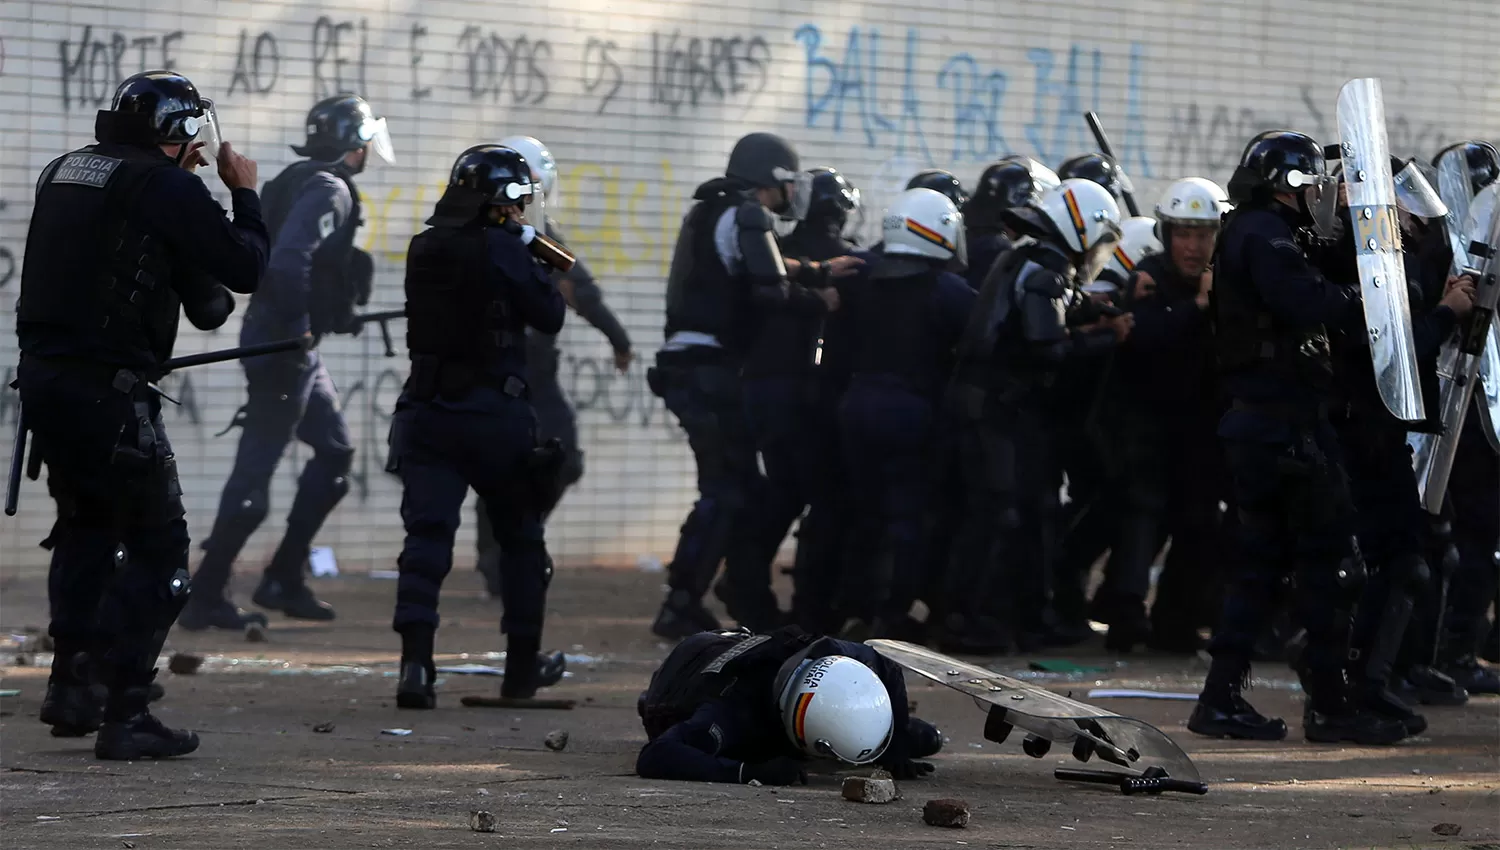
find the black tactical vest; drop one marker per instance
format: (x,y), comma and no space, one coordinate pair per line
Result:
(701,294)
(341,275)
(709,664)
(892,328)
(1246,335)
(94,283)
(456,323)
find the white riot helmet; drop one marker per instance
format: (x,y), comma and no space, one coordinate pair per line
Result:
(543,166)
(1137,242)
(836,707)
(1087,218)
(925,223)
(1192,202)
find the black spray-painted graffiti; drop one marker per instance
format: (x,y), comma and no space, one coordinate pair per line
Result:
(93,67)
(690,70)
(336,47)
(499,66)
(418,91)
(601,72)
(256,64)
(7,258)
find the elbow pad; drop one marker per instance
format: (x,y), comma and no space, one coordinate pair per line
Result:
(758,245)
(1043,313)
(212,312)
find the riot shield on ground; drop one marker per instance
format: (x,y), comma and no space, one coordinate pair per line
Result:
(1377,237)
(1048,717)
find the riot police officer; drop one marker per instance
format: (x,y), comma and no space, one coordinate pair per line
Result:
(734,707)
(904,314)
(794,374)
(1025,327)
(727,274)
(1012,182)
(315,279)
(464,420)
(555,417)
(1272,308)
(942,182)
(121,236)
(1097,168)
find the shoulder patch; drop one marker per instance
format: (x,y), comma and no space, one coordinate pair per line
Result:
(325,225)
(718,735)
(86,169)
(1287,244)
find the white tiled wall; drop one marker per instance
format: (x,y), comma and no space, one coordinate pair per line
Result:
(641,101)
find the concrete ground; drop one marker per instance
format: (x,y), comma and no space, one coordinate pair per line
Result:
(295,754)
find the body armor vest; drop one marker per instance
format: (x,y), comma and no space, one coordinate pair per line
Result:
(341,274)
(94,283)
(708,664)
(1246,334)
(457,325)
(893,329)
(701,293)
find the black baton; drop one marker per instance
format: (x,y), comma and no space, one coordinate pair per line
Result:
(17,462)
(1108,150)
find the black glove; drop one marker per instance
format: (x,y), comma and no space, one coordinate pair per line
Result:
(908,769)
(777,771)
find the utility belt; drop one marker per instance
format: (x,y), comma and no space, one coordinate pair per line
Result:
(673,366)
(137,447)
(433,376)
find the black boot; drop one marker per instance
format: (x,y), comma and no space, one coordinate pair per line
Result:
(74,704)
(130,732)
(757,611)
(1428,686)
(1331,717)
(1472,676)
(205,611)
(1222,710)
(522,673)
(1379,699)
(1127,630)
(682,616)
(418,672)
(294,599)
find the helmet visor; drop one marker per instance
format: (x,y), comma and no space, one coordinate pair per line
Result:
(799,196)
(1098,256)
(207,130)
(1415,195)
(1320,194)
(373,131)
(854,221)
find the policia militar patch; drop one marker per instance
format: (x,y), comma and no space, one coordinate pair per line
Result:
(86,169)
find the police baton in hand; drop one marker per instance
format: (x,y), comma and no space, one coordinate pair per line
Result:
(34,468)
(1126,188)
(384,319)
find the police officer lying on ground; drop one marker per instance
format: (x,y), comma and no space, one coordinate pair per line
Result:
(121,237)
(734,707)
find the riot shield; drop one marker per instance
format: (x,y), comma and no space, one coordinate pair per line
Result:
(1048,717)
(1489,386)
(1377,237)
(1460,363)
(1457,193)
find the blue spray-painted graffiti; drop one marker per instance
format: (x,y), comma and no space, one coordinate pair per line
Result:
(857,80)
(1064,89)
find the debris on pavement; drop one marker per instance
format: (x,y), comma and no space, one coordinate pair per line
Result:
(1131,693)
(400,733)
(184,663)
(255,633)
(947,813)
(1447,829)
(10,692)
(324,727)
(862,789)
(556,740)
(482,821)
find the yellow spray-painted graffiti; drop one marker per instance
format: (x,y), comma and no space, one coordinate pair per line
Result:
(629,226)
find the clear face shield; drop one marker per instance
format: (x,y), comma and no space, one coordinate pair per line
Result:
(205,129)
(799,194)
(1320,200)
(373,131)
(961,240)
(1415,195)
(854,222)
(1097,257)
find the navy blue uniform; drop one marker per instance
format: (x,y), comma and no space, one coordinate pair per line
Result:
(290,395)
(905,316)
(556,418)
(1297,519)
(91,339)
(711,712)
(985,247)
(463,419)
(793,378)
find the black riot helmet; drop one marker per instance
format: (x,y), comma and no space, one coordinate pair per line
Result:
(1011,182)
(767,161)
(343,123)
(1482,159)
(1268,160)
(833,197)
(483,176)
(1094,167)
(942,182)
(153,108)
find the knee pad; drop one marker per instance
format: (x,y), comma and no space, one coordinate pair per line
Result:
(1410,573)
